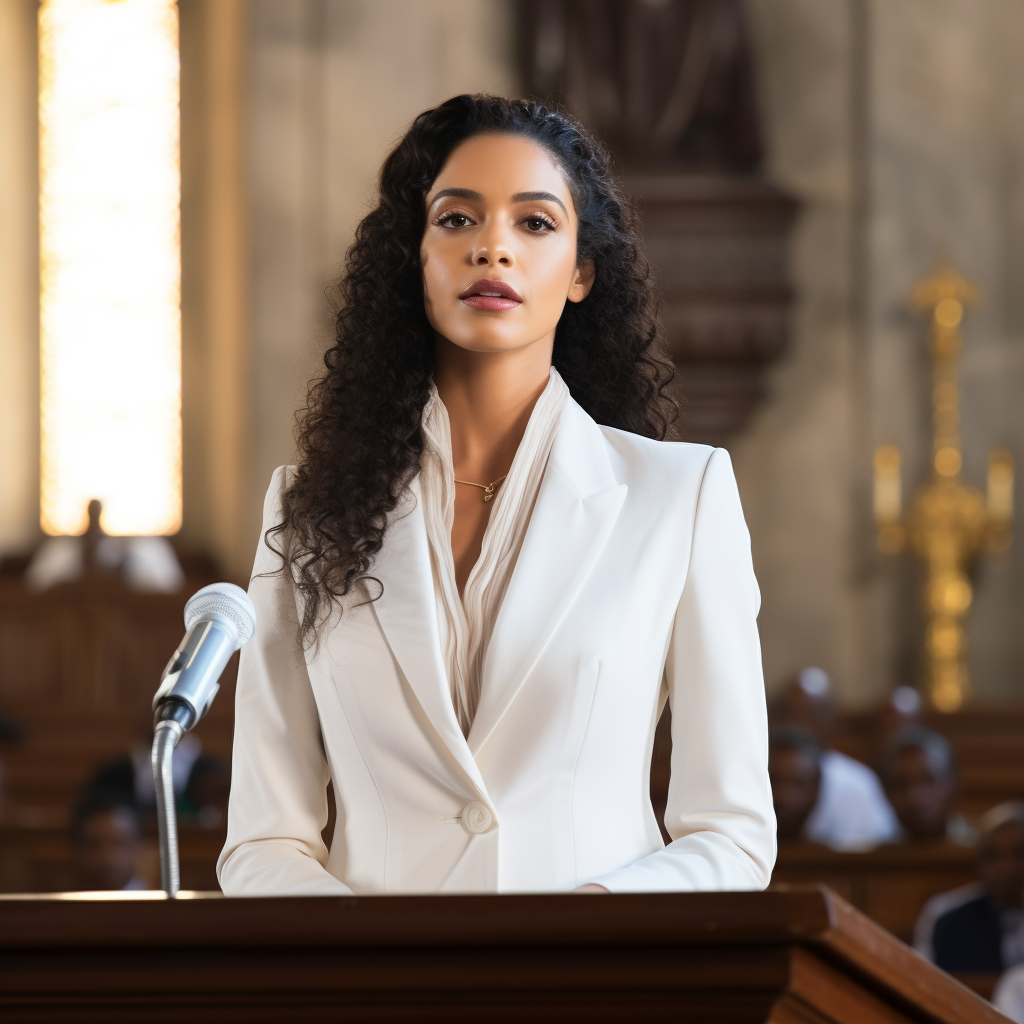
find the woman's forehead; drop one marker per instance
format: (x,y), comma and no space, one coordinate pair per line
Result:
(498,167)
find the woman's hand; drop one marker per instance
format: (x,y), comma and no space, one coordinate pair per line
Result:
(591,887)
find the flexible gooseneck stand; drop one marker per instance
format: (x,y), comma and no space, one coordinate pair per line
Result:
(165,740)
(173,718)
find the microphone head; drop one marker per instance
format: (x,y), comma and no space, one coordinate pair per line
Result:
(227,600)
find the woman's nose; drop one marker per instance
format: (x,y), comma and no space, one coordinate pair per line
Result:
(492,249)
(484,257)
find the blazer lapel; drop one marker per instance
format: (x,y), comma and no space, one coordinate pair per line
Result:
(577,506)
(407,614)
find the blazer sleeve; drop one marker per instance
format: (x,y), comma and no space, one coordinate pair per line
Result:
(278,804)
(720,814)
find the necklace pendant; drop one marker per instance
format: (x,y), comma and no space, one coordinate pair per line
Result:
(488,492)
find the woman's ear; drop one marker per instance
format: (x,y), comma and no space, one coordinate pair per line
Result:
(582,282)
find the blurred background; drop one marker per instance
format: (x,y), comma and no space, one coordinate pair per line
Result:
(832,194)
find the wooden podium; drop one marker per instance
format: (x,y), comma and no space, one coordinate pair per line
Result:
(798,954)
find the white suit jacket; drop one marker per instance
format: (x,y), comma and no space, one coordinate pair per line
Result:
(634,585)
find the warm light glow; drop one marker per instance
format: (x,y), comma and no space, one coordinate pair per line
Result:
(1000,485)
(110,265)
(888,493)
(948,461)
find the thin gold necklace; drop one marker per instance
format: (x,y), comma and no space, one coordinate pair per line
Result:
(488,489)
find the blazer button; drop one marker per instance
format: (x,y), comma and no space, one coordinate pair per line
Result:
(477,818)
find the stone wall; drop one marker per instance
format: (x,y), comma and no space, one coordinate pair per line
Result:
(899,126)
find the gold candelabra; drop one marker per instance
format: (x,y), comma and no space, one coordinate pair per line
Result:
(948,523)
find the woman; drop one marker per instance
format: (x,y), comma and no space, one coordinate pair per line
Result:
(486,575)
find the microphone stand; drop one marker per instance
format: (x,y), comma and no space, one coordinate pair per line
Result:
(169,730)
(219,619)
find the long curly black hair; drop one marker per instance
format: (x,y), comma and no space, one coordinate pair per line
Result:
(359,436)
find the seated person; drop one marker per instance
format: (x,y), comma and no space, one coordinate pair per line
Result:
(918,771)
(794,766)
(902,708)
(106,840)
(979,928)
(1008,997)
(10,732)
(851,812)
(206,796)
(131,775)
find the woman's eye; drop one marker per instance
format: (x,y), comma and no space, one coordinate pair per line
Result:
(539,224)
(454,220)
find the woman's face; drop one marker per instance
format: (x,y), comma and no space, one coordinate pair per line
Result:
(499,250)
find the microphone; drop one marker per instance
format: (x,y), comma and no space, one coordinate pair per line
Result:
(219,619)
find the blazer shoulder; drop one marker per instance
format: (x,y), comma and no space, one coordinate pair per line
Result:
(645,455)
(280,481)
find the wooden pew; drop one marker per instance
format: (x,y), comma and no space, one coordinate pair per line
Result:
(78,667)
(40,859)
(890,884)
(988,743)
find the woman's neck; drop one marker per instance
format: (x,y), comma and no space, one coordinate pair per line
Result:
(489,397)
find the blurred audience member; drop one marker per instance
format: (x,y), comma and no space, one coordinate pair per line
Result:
(901,709)
(794,765)
(918,771)
(1008,997)
(851,812)
(805,702)
(206,796)
(979,928)
(107,842)
(11,730)
(131,775)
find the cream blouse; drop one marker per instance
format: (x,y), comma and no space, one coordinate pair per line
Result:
(465,624)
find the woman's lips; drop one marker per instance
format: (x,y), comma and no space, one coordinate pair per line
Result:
(495,296)
(492,302)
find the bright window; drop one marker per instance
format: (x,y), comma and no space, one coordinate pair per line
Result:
(110,265)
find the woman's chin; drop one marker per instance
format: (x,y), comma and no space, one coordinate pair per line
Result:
(486,343)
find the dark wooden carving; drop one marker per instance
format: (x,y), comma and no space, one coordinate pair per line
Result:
(670,87)
(797,956)
(718,244)
(667,84)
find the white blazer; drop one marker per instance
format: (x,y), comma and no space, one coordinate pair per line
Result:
(634,585)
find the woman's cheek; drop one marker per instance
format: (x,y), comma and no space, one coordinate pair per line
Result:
(436,285)
(552,281)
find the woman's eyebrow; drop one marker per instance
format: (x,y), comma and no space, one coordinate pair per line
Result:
(519,197)
(536,197)
(458,193)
